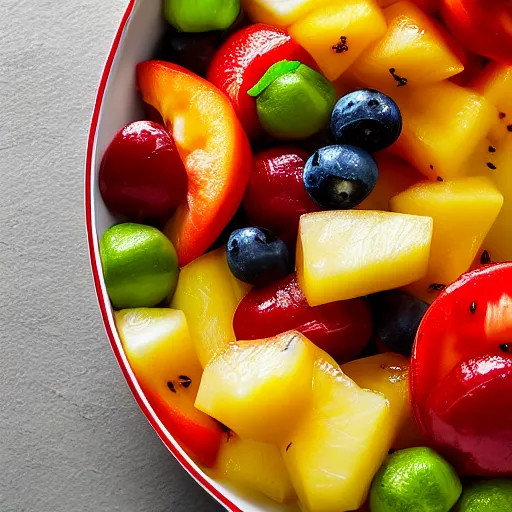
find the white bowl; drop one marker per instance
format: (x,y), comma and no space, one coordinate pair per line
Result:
(118,104)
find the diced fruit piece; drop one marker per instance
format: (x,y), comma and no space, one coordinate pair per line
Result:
(395,175)
(256,466)
(296,105)
(336,34)
(259,389)
(214,149)
(342,255)
(495,84)
(442,125)
(397,316)
(161,354)
(275,197)
(415,479)
(493,495)
(366,118)
(140,266)
(468,417)
(243,59)
(141,174)
(339,444)
(194,51)
(341,328)
(483,27)
(208,294)
(201,15)
(415,48)
(463,211)
(257,257)
(499,240)
(340,177)
(280,14)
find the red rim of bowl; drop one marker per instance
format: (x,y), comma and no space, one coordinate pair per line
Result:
(162,432)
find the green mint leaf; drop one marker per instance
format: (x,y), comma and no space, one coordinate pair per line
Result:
(273,73)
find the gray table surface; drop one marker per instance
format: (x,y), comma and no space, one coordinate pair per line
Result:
(72,439)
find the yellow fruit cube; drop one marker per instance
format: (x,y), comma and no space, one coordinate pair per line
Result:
(337,33)
(255,466)
(499,240)
(495,84)
(463,211)
(415,47)
(442,126)
(347,254)
(279,13)
(395,175)
(259,388)
(339,445)
(208,294)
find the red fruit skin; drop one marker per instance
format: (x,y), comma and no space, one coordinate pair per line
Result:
(482,26)
(342,328)
(141,174)
(275,197)
(469,416)
(243,59)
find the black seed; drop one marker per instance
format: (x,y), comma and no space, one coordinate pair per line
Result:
(505,347)
(437,287)
(472,308)
(185,381)
(400,81)
(491,166)
(502,115)
(509,128)
(341,46)
(289,446)
(316,159)
(439,178)
(492,149)
(170,385)
(431,167)
(485,258)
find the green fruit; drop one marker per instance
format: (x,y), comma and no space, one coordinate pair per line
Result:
(296,105)
(416,479)
(486,496)
(201,15)
(140,265)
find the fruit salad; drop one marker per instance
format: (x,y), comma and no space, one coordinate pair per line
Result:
(312,273)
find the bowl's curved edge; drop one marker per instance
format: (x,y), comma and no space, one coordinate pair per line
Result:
(150,415)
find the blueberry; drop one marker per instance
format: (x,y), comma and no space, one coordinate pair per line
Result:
(340,177)
(256,256)
(366,118)
(397,316)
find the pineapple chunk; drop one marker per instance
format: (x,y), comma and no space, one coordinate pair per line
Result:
(389,374)
(339,445)
(463,211)
(346,254)
(279,13)
(495,84)
(442,126)
(255,466)
(414,46)
(208,294)
(259,388)
(337,33)
(499,240)
(395,175)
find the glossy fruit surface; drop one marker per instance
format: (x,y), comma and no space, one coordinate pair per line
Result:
(140,266)
(160,351)
(141,174)
(415,479)
(213,147)
(483,26)
(366,118)
(257,257)
(342,328)
(340,177)
(208,294)
(280,14)
(275,197)
(347,254)
(261,388)
(489,495)
(243,59)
